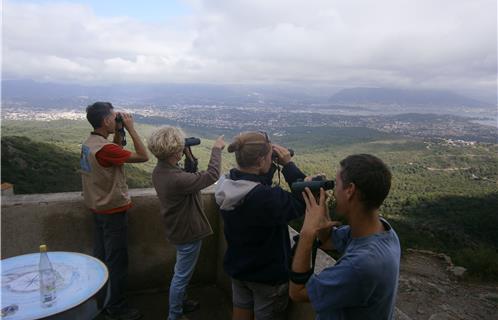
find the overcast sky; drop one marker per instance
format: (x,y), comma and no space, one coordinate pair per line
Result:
(449,44)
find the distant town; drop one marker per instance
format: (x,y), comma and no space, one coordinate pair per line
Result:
(278,119)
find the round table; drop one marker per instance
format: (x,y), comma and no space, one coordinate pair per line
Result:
(79,278)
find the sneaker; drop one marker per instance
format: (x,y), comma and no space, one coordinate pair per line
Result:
(190,305)
(123,314)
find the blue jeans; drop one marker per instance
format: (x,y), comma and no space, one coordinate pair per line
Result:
(186,259)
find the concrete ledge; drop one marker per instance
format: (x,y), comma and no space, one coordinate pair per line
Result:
(45,198)
(62,221)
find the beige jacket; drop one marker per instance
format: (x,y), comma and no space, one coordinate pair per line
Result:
(179,195)
(103,187)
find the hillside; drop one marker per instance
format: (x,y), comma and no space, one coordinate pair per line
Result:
(443,196)
(39,167)
(36,167)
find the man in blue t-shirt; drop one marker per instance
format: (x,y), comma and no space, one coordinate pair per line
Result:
(364,281)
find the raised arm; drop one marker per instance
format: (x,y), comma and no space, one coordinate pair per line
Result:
(140,154)
(193,182)
(316,219)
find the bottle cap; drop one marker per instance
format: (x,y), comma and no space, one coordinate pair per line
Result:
(43,248)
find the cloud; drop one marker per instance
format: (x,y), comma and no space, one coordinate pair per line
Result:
(423,43)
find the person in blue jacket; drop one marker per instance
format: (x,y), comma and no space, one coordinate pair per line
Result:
(255,216)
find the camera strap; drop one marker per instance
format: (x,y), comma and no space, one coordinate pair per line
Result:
(278,171)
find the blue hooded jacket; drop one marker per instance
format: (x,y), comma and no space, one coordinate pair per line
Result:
(255,216)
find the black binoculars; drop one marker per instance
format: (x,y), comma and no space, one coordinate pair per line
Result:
(121,131)
(314,185)
(192,141)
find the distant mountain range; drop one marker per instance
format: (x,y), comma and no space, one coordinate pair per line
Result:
(37,94)
(403,97)
(53,94)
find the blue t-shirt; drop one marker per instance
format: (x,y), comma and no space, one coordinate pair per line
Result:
(363,282)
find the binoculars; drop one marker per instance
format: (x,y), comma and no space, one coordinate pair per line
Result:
(314,185)
(274,155)
(192,141)
(191,162)
(121,131)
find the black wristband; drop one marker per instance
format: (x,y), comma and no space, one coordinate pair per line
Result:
(303,277)
(300,277)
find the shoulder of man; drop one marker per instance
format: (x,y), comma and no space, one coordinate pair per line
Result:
(113,154)
(111,147)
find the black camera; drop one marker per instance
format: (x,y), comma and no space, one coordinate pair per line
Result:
(274,155)
(315,184)
(192,141)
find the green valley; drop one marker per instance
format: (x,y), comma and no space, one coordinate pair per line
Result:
(444,195)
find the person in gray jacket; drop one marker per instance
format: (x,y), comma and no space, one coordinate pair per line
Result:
(179,195)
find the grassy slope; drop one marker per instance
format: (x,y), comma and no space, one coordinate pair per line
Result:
(431,208)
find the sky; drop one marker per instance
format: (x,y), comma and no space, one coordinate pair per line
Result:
(421,44)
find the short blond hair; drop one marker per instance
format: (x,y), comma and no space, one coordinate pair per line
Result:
(166,141)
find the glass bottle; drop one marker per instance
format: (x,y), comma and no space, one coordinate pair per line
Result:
(47,279)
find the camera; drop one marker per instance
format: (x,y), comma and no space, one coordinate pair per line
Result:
(314,185)
(274,155)
(192,141)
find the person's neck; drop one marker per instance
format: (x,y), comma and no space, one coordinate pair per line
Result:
(173,161)
(101,132)
(364,223)
(251,170)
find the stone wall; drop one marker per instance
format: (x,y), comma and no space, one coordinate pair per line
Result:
(61,221)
